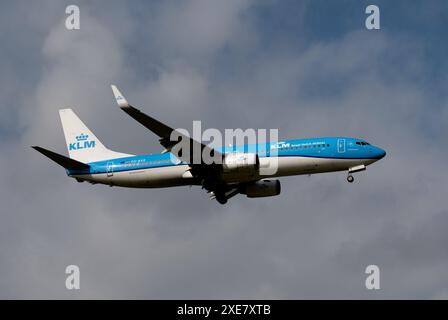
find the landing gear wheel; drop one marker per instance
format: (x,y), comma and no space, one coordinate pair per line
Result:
(350,178)
(221,198)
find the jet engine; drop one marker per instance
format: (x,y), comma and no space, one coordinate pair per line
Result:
(240,166)
(262,188)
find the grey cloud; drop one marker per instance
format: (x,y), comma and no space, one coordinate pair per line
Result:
(313,241)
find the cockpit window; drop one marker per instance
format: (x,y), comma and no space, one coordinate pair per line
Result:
(362,143)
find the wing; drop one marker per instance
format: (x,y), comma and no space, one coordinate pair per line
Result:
(164,132)
(206,175)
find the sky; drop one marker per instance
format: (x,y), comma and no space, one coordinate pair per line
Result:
(308,68)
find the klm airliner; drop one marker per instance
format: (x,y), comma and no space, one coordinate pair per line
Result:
(240,171)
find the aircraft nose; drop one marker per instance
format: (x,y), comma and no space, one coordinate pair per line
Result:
(380,153)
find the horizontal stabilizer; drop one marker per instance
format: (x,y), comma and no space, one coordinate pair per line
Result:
(61,160)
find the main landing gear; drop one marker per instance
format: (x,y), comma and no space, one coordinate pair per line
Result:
(222,196)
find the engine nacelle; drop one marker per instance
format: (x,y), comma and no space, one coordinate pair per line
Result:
(263,188)
(241,165)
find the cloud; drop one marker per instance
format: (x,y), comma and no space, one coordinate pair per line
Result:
(197,28)
(212,61)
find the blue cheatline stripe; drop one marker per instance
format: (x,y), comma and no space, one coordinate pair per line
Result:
(102,169)
(321,148)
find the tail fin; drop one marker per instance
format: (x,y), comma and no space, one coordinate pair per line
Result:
(82,144)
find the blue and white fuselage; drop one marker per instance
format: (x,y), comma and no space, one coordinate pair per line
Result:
(293,157)
(245,169)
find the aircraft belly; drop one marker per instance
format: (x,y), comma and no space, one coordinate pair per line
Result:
(295,165)
(309,165)
(145,178)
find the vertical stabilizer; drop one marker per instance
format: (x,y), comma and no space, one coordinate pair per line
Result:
(82,144)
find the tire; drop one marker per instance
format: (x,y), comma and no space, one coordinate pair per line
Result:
(221,199)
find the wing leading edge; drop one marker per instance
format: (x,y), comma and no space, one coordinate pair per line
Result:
(207,175)
(163,131)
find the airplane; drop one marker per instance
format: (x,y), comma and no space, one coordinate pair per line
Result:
(238,173)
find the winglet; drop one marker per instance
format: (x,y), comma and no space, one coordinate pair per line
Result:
(121,101)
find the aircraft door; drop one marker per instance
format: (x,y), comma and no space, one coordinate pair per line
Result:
(110,169)
(341,145)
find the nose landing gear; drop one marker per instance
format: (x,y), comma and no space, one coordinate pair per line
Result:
(351,170)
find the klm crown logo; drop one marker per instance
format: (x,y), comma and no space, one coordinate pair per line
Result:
(82,142)
(82,137)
